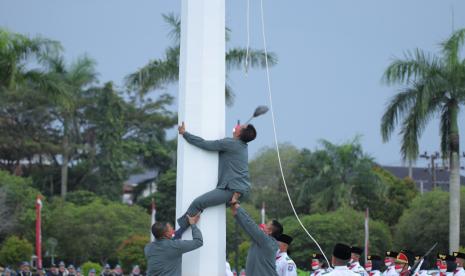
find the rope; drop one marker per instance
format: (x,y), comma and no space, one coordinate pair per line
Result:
(248,39)
(275,133)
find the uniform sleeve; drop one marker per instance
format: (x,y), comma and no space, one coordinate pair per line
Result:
(250,227)
(213,145)
(184,246)
(290,269)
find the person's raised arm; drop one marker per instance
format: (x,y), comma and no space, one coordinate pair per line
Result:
(212,145)
(197,241)
(249,225)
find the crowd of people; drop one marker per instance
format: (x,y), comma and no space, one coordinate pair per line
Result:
(61,269)
(345,261)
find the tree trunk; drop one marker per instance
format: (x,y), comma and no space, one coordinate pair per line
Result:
(454,183)
(65,161)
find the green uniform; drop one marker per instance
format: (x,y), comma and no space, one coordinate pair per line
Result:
(233,173)
(261,258)
(164,257)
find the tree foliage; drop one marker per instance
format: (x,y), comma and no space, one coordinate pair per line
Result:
(160,72)
(131,252)
(17,207)
(434,88)
(87,266)
(15,250)
(426,222)
(165,198)
(327,179)
(95,230)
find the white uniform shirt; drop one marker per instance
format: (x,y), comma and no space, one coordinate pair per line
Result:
(374,273)
(228,270)
(285,266)
(390,271)
(357,268)
(422,273)
(341,271)
(459,271)
(318,272)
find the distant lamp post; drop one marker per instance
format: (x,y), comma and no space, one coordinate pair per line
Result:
(433,158)
(51,244)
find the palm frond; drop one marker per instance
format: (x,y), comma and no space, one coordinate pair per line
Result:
(154,75)
(426,105)
(229,95)
(452,46)
(174,24)
(82,72)
(416,64)
(396,109)
(235,58)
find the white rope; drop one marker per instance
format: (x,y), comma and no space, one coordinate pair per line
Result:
(276,137)
(248,39)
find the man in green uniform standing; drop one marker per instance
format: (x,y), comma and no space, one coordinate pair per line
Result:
(164,255)
(233,168)
(261,258)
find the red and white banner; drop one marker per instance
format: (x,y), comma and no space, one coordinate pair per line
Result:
(39,231)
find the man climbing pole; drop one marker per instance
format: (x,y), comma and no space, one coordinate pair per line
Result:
(233,172)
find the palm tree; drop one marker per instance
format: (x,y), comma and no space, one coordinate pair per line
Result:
(23,116)
(160,72)
(15,51)
(435,86)
(67,106)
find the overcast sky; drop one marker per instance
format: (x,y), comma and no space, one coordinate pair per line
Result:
(332,53)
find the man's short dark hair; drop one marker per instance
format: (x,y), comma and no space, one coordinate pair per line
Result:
(158,229)
(277,229)
(248,133)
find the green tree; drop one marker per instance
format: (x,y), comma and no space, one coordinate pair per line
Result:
(15,51)
(399,195)
(15,250)
(17,209)
(131,252)
(97,228)
(344,178)
(160,72)
(242,256)
(435,86)
(319,181)
(23,117)
(425,223)
(87,266)
(126,136)
(81,197)
(165,197)
(344,225)
(68,106)
(267,185)
(110,125)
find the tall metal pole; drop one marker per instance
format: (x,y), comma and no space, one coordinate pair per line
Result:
(39,231)
(202,107)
